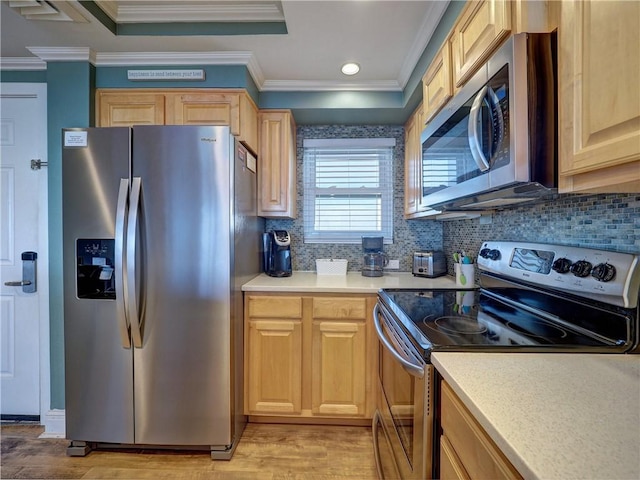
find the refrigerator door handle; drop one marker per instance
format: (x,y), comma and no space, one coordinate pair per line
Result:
(121,279)
(132,227)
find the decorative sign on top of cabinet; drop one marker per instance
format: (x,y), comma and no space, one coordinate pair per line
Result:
(599,97)
(126,107)
(310,356)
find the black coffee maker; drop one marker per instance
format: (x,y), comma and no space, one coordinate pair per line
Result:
(277,253)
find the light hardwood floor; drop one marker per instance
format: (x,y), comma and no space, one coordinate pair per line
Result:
(269,452)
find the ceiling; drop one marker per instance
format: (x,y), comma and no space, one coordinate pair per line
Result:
(287,46)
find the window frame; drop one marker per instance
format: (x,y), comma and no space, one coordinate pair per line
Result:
(315,149)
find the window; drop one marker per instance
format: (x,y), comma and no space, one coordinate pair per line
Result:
(348,189)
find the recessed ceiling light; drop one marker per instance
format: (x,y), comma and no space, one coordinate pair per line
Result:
(350,68)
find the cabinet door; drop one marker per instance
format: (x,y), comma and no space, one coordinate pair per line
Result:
(248,122)
(121,109)
(480,29)
(338,371)
(339,355)
(204,109)
(599,96)
(437,83)
(450,466)
(274,367)
(412,165)
(273,355)
(277,164)
(477,453)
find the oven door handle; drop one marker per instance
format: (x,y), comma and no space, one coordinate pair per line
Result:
(375,425)
(413,369)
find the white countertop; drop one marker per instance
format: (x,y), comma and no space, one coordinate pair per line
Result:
(555,416)
(352,282)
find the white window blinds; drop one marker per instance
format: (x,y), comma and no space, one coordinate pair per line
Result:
(348,189)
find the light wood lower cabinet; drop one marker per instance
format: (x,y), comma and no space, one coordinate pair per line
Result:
(466,451)
(310,356)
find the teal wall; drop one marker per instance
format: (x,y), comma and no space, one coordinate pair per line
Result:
(70,103)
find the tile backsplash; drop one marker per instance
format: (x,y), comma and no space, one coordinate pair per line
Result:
(609,222)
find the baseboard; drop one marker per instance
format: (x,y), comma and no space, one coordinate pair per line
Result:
(54,424)
(20,418)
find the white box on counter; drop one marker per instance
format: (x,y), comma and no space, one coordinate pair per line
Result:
(331,266)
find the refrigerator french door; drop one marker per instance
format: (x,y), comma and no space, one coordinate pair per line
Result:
(152,220)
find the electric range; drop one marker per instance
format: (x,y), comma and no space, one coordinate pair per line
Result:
(532,297)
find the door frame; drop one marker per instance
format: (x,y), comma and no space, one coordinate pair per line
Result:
(39,91)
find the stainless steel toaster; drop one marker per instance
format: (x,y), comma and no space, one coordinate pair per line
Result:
(429,263)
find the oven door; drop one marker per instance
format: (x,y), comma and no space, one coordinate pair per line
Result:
(405,403)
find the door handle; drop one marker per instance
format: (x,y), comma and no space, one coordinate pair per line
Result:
(130,261)
(21,283)
(28,282)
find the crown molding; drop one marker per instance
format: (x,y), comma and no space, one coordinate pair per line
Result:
(193,11)
(22,63)
(113,59)
(434,14)
(69,54)
(327,86)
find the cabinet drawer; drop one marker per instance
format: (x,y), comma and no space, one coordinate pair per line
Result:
(275,307)
(476,451)
(450,466)
(332,307)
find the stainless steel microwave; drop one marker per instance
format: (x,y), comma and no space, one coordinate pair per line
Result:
(495,143)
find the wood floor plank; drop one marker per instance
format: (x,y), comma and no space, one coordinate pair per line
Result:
(265,452)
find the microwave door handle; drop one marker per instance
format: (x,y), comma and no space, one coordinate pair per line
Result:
(474,137)
(411,368)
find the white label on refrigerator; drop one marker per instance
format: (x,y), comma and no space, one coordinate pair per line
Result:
(251,163)
(75,139)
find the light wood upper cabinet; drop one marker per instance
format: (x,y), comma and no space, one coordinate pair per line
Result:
(599,96)
(181,107)
(468,450)
(413,207)
(310,356)
(412,163)
(437,83)
(277,164)
(122,109)
(481,27)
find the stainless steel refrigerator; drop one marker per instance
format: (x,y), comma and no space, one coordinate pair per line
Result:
(160,231)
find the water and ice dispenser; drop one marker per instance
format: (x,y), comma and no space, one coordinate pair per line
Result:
(94,268)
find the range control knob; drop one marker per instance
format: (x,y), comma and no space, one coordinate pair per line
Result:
(491,254)
(603,272)
(581,268)
(561,265)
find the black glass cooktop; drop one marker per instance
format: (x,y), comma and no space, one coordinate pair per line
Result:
(474,320)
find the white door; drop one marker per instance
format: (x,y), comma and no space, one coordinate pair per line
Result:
(23,228)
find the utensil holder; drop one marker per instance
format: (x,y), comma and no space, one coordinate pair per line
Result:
(465,275)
